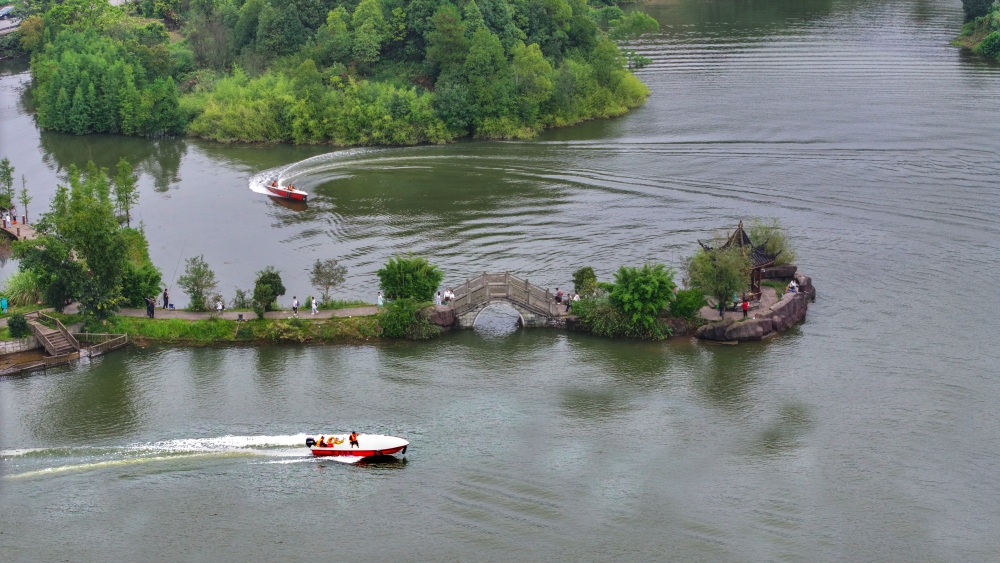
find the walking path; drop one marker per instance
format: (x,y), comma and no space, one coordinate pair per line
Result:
(768,297)
(304,314)
(20,231)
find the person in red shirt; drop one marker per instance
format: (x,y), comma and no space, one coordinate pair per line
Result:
(746,306)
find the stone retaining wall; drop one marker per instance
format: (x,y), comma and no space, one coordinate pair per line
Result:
(789,310)
(22,345)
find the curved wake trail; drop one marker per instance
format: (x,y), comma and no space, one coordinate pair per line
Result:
(296,172)
(88,458)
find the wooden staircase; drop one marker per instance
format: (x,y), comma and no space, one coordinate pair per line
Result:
(57,341)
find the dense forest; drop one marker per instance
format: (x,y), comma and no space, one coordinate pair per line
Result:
(981,32)
(330,71)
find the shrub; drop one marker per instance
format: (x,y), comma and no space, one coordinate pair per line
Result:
(585,282)
(686,303)
(244,332)
(989,46)
(18,326)
(21,288)
(243,299)
(975,8)
(267,288)
(261,294)
(404,318)
(412,277)
(604,319)
(642,294)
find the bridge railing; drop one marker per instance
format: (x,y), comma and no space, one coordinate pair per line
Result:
(504,286)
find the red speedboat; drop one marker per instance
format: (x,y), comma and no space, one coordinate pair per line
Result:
(289,192)
(369,445)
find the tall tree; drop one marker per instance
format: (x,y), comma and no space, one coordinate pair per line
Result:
(6,183)
(447,45)
(198,282)
(126,190)
(25,198)
(325,275)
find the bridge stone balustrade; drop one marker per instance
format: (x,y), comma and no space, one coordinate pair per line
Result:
(536,306)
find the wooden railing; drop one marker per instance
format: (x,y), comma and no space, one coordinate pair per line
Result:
(504,286)
(69,336)
(102,342)
(46,343)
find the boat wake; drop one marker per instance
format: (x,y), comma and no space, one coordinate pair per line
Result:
(37,461)
(302,173)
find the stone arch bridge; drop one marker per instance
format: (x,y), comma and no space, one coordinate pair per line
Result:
(536,306)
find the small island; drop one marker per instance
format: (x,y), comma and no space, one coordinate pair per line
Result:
(345,72)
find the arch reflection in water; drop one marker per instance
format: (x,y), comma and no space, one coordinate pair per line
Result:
(498,320)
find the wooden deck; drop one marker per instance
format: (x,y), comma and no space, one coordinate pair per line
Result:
(20,231)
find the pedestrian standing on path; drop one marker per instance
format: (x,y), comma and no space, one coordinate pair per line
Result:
(746,306)
(166,298)
(437,298)
(295,305)
(315,307)
(149,307)
(381,300)
(722,308)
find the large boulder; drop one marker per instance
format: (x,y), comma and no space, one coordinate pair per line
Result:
(784,272)
(714,331)
(751,329)
(441,315)
(806,286)
(790,310)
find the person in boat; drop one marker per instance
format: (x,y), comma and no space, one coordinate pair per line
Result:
(354,440)
(274,184)
(322,442)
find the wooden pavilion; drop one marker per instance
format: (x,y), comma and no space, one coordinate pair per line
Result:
(759,257)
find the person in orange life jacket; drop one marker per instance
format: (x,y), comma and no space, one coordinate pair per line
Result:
(354,440)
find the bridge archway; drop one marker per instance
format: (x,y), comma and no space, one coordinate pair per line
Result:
(535,305)
(498,318)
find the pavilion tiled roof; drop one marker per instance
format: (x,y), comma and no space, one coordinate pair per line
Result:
(759,257)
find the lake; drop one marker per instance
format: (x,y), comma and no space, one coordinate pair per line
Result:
(869,432)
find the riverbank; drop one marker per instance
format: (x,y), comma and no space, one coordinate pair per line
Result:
(982,35)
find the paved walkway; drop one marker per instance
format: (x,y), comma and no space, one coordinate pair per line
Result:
(20,231)
(304,314)
(768,297)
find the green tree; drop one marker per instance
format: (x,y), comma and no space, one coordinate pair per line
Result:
(126,190)
(473,18)
(409,277)
(719,273)
(60,277)
(333,40)
(198,282)
(25,198)
(489,76)
(643,294)
(976,8)
(268,287)
(369,32)
(325,275)
(92,227)
(6,183)
(774,237)
(585,282)
(532,79)
(447,45)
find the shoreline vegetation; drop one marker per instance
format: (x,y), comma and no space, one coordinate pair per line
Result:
(340,72)
(981,32)
(88,263)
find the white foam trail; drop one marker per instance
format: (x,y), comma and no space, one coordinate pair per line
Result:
(222,443)
(20,452)
(290,173)
(111,463)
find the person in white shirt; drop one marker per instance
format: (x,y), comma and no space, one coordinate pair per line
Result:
(315,307)
(437,298)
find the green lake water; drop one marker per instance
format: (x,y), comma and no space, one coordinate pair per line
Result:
(869,432)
